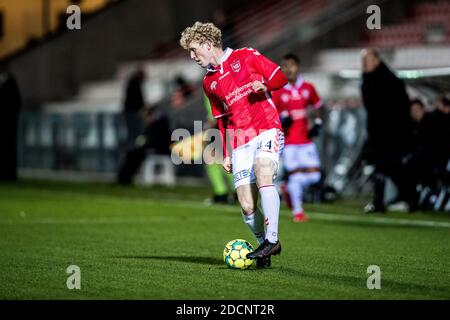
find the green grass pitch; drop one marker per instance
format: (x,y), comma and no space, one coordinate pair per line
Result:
(160,243)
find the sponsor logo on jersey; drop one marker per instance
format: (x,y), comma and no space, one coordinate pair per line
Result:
(298,114)
(238,93)
(213,85)
(241,175)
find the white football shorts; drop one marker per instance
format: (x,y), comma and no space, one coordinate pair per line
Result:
(267,144)
(297,156)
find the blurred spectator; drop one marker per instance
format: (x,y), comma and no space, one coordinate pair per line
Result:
(389,129)
(420,118)
(419,161)
(220,19)
(432,143)
(133,104)
(183,90)
(154,139)
(439,140)
(431,153)
(10,103)
(417,112)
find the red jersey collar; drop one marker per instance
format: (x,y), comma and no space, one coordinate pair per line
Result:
(211,68)
(297,85)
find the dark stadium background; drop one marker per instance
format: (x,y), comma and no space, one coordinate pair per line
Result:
(71,136)
(72,81)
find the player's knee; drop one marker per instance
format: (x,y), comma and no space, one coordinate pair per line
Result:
(264,168)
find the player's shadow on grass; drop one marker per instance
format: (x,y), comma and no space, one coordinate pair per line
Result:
(199,260)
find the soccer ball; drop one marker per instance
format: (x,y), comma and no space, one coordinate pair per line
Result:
(235,254)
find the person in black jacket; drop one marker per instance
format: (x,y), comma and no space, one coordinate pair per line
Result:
(430,158)
(10,104)
(436,140)
(389,129)
(155,139)
(132,106)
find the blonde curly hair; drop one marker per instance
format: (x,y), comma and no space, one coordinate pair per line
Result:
(201,32)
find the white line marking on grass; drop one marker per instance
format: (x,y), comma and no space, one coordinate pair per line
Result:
(379,220)
(109,220)
(218,208)
(328,216)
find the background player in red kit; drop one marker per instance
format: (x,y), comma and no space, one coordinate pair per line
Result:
(238,84)
(300,157)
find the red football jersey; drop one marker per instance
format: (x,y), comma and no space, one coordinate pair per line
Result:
(229,89)
(295,100)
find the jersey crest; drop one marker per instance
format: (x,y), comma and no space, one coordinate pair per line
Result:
(236,65)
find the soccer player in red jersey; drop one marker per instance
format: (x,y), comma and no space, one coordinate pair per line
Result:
(238,84)
(300,157)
